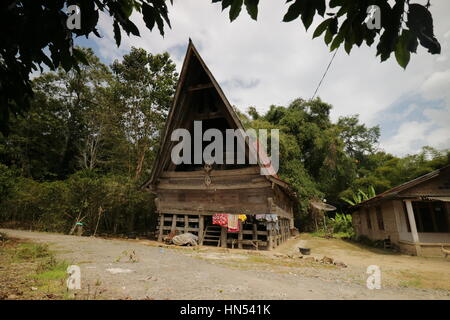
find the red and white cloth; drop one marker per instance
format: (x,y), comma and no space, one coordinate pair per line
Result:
(231,221)
(221,219)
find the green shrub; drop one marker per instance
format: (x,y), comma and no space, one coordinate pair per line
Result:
(55,206)
(7,181)
(341,225)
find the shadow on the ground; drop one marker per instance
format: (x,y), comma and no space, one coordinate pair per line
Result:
(373,249)
(353,244)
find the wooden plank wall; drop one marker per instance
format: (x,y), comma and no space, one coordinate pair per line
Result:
(208,202)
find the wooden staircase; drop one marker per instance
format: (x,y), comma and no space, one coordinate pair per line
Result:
(212,235)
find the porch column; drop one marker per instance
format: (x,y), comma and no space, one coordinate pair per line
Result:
(412,224)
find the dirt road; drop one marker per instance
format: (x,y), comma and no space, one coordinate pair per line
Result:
(139,269)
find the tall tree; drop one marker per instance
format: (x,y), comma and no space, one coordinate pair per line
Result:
(46,143)
(358,139)
(144,85)
(314,158)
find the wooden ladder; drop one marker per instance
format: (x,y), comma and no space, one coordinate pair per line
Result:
(212,235)
(387,243)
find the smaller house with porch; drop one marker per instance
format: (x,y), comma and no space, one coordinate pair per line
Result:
(414,216)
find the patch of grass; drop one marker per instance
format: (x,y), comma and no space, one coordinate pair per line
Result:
(28,265)
(51,269)
(30,251)
(329,235)
(319,234)
(410,279)
(416,283)
(49,273)
(424,280)
(343,235)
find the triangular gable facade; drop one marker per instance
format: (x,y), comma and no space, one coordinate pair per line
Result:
(196,89)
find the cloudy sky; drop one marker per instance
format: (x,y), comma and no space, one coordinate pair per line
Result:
(264,62)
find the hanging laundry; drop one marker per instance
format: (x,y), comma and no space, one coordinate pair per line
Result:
(260,217)
(242,217)
(267,217)
(221,219)
(233,223)
(272,217)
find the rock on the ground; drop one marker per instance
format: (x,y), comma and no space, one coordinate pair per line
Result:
(327,260)
(340,264)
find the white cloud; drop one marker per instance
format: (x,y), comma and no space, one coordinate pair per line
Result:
(434,130)
(438,117)
(437,86)
(271,62)
(409,138)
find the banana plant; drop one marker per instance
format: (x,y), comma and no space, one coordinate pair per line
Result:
(360,196)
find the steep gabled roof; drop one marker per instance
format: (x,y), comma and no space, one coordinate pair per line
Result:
(394,192)
(194,60)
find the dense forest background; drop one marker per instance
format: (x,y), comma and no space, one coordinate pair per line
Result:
(88,142)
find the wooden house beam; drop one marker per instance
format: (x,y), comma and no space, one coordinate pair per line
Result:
(201,86)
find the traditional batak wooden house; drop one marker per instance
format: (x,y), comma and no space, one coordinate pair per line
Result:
(195,198)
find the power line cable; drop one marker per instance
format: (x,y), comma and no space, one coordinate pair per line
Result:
(325,73)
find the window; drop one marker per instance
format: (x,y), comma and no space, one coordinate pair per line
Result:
(369,223)
(379,218)
(430,216)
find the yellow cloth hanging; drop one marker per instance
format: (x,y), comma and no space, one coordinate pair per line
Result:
(242,217)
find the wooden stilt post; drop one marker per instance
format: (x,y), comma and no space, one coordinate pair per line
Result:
(255,231)
(269,240)
(286,230)
(240,235)
(223,237)
(201,226)
(278,234)
(281,222)
(186,223)
(174,223)
(161,226)
(278,230)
